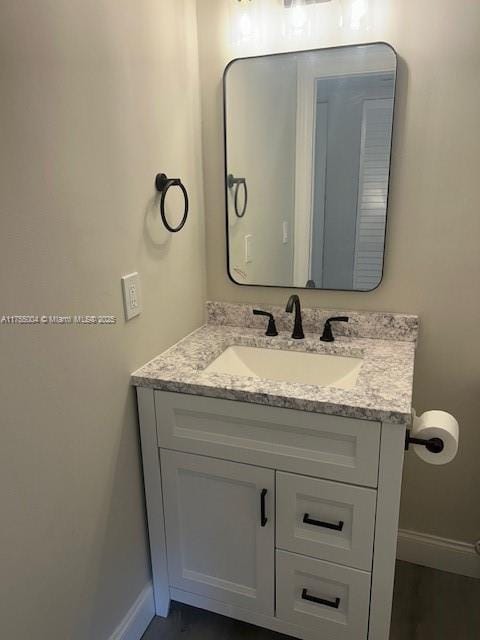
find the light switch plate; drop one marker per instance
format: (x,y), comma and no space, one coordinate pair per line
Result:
(131,295)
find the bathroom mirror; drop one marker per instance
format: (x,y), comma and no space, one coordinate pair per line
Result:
(307,156)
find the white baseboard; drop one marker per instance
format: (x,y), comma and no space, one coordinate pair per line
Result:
(137,618)
(438,553)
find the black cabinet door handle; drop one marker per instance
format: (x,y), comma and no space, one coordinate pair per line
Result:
(327,603)
(325,525)
(263,517)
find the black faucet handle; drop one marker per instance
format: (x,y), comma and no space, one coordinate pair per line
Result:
(272,328)
(327,335)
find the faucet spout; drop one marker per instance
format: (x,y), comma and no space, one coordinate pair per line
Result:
(294,302)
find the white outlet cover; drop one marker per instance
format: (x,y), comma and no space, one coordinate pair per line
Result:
(132,299)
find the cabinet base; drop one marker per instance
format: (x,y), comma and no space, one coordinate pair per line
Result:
(267,622)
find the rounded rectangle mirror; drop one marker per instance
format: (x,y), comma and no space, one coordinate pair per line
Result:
(307,155)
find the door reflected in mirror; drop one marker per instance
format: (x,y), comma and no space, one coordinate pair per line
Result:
(308,140)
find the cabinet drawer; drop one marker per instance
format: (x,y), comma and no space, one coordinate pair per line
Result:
(326,520)
(327,598)
(315,444)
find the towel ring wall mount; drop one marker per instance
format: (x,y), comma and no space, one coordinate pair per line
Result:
(237,182)
(163,184)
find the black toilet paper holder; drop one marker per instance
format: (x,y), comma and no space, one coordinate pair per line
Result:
(434,445)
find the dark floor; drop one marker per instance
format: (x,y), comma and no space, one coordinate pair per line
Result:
(428,605)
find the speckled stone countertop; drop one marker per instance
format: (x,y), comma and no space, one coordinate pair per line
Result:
(384,386)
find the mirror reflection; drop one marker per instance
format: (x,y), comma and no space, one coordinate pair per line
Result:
(308,138)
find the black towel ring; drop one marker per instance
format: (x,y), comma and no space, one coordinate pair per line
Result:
(236,182)
(163,184)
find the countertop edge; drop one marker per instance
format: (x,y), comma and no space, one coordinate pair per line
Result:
(282,402)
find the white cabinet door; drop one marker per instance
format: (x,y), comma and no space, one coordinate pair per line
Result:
(218,544)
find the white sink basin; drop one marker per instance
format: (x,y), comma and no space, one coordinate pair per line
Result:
(288,366)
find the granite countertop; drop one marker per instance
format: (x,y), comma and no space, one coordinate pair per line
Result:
(383,390)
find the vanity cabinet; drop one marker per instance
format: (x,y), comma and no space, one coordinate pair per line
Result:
(282,518)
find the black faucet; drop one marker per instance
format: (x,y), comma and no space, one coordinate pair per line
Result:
(271,329)
(297,327)
(327,335)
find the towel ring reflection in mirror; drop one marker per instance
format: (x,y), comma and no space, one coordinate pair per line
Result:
(237,182)
(163,184)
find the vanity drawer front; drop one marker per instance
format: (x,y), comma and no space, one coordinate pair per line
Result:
(326,520)
(327,598)
(314,444)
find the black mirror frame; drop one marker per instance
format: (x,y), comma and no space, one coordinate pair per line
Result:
(226,177)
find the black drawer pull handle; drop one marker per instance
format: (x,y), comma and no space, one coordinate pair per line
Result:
(263,517)
(328,603)
(325,525)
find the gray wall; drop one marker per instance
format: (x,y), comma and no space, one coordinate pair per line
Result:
(96,97)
